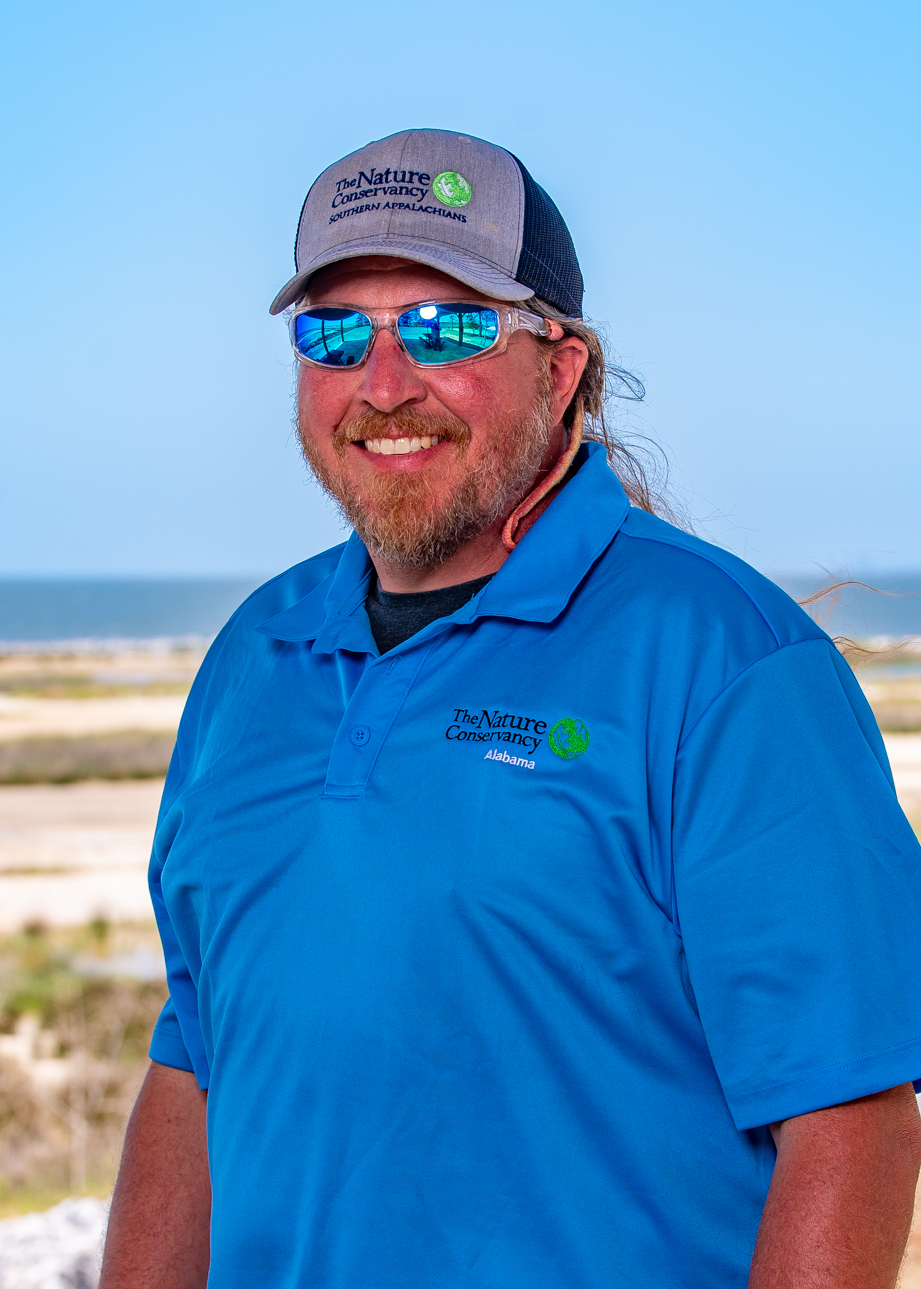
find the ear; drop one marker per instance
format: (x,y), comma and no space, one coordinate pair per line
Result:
(567,363)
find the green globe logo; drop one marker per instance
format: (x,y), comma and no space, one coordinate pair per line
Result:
(452,189)
(569,738)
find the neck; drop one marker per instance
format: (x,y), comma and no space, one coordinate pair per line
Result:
(481,555)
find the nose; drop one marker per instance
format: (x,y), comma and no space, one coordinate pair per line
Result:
(388,378)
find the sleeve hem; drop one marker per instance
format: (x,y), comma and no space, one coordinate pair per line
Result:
(832,1085)
(165,1052)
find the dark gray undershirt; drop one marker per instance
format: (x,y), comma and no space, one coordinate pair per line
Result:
(397,615)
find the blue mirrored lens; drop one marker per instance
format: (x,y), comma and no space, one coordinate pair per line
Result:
(333,337)
(447,333)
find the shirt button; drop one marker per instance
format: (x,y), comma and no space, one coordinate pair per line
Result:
(360,735)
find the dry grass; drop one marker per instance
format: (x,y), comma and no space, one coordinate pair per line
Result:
(119,754)
(137,671)
(64,1106)
(898,718)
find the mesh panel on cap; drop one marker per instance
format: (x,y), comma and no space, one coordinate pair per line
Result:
(548,263)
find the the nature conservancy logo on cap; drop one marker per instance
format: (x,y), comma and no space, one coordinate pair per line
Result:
(451,189)
(397,188)
(569,738)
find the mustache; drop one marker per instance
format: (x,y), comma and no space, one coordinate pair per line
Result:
(405,423)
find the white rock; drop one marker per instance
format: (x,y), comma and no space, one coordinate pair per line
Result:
(59,1249)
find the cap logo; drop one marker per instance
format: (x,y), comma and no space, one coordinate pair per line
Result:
(451,189)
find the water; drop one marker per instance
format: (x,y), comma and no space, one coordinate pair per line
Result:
(892,608)
(88,610)
(95,610)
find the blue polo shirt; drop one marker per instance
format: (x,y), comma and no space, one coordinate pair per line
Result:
(499,953)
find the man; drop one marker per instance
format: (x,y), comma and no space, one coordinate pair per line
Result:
(537,908)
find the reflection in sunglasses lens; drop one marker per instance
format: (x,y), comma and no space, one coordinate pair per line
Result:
(333,337)
(447,333)
(431,333)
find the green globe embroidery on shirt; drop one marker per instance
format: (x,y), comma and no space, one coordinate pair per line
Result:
(569,738)
(452,189)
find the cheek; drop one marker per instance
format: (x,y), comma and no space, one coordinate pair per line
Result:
(322,401)
(478,395)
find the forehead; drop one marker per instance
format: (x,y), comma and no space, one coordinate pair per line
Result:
(376,280)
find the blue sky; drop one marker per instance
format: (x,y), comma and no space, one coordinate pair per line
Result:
(741,182)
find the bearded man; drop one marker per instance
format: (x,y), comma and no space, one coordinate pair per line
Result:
(536,905)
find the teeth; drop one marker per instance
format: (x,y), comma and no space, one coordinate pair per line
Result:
(401,447)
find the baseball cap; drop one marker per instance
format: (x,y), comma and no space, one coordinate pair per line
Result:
(451,201)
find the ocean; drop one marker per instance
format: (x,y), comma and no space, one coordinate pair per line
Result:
(887,606)
(109,612)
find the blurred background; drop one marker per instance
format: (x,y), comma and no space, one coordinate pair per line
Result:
(741,183)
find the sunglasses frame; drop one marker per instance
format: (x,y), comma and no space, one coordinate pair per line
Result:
(511,320)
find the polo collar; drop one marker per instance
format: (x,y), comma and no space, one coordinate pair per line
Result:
(534,584)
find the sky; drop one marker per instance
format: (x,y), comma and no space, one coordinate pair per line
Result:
(741,182)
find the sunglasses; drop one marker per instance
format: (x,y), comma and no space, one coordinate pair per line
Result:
(430,334)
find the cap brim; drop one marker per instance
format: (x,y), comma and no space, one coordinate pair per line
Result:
(479,274)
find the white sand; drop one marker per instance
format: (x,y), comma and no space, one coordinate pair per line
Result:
(34,717)
(93,841)
(905,758)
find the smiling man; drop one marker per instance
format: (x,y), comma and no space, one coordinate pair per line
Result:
(537,909)
(427,469)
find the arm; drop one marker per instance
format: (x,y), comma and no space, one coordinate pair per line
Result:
(840,1202)
(158,1234)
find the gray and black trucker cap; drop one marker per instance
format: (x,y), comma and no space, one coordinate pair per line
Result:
(453,202)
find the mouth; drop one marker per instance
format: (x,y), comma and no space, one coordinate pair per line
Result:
(401,447)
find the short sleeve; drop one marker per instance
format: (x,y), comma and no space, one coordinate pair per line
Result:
(797,891)
(166,1046)
(177,1034)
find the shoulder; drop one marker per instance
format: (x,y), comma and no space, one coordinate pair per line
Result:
(681,576)
(239,653)
(686,616)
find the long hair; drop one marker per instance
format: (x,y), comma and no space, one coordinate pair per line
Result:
(639,464)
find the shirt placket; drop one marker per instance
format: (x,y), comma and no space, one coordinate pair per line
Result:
(368,718)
